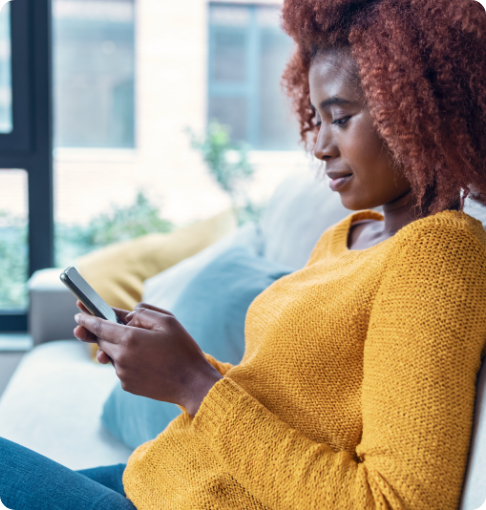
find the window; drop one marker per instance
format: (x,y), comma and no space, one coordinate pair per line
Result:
(26,215)
(13,240)
(94,60)
(5,72)
(247,55)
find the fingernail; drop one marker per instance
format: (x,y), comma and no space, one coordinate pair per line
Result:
(77,317)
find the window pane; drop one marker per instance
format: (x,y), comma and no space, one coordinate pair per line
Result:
(229,15)
(94,73)
(229,55)
(248,54)
(230,111)
(5,72)
(278,126)
(13,239)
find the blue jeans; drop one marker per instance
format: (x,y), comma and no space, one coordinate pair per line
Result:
(29,481)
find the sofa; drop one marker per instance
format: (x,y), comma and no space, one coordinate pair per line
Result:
(54,401)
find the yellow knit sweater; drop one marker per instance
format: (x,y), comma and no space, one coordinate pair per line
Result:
(356,390)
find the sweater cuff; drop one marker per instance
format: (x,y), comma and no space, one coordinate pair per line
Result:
(222,397)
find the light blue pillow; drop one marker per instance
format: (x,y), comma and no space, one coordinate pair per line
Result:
(212,307)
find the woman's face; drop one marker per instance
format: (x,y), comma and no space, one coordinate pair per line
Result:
(358,163)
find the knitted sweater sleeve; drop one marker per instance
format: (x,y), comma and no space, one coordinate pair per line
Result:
(423,350)
(220,366)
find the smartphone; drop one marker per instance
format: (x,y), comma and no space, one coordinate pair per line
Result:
(96,305)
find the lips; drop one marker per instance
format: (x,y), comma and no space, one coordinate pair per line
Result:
(338,181)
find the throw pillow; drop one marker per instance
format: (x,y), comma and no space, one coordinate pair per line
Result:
(118,272)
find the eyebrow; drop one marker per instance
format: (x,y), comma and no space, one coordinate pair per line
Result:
(334,100)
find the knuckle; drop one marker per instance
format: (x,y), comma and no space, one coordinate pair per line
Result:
(97,328)
(171,323)
(141,306)
(126,337)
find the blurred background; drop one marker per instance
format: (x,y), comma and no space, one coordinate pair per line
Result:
(149,98)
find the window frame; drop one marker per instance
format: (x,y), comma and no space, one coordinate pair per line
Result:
(29,145)
(250,89)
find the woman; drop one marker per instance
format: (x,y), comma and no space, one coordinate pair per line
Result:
(358,382)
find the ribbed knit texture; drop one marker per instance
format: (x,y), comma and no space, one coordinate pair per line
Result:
(356,390)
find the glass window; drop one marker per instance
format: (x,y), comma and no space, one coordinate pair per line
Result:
(94,66)
(13,239)
(247,55)
(229,55)
(231,111)
(5,72)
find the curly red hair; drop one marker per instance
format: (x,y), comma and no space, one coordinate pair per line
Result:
(422,66)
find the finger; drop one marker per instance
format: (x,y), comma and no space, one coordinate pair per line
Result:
(84,335)
(149,319)
(111,351)
(121,314)
(102,357)
(152,307)
(100,328)
(82,307)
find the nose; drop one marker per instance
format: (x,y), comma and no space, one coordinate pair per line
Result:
(325,148)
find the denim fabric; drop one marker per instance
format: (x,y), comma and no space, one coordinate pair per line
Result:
(29,481)
(109,476)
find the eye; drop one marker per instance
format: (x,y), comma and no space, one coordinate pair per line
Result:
(341,122)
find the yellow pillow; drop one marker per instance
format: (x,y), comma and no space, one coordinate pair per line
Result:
(117,272)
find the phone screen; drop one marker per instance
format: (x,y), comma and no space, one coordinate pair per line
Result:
(87,295)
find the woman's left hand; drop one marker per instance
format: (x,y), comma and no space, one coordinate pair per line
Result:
(153,355)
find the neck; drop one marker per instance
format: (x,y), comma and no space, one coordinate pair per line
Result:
(400,213)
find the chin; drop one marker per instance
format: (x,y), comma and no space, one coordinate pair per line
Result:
(354,203)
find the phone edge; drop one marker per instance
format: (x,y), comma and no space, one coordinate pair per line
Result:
(64,277)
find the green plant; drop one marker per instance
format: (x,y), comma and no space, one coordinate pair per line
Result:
(120,223)
(13,262)
(229,165)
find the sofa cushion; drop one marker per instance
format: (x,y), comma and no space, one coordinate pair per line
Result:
(53,405)
(166,287)
(212,306)
(302,208)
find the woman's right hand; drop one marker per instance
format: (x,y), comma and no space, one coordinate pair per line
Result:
(153,355)
(101,356)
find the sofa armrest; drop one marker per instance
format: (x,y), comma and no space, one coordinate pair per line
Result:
(52,308)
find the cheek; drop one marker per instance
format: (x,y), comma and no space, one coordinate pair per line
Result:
(376,181)
(361,144)
(366,154)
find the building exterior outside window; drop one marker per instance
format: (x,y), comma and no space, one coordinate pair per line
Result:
(94,73)
(132,75)
(247,55)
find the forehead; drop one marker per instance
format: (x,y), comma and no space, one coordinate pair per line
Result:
(334,73)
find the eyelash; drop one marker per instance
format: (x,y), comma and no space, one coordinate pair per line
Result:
(337,122)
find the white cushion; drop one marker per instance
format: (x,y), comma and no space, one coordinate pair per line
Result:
(475,210)
(53,406)
(474,492)
(302,208)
